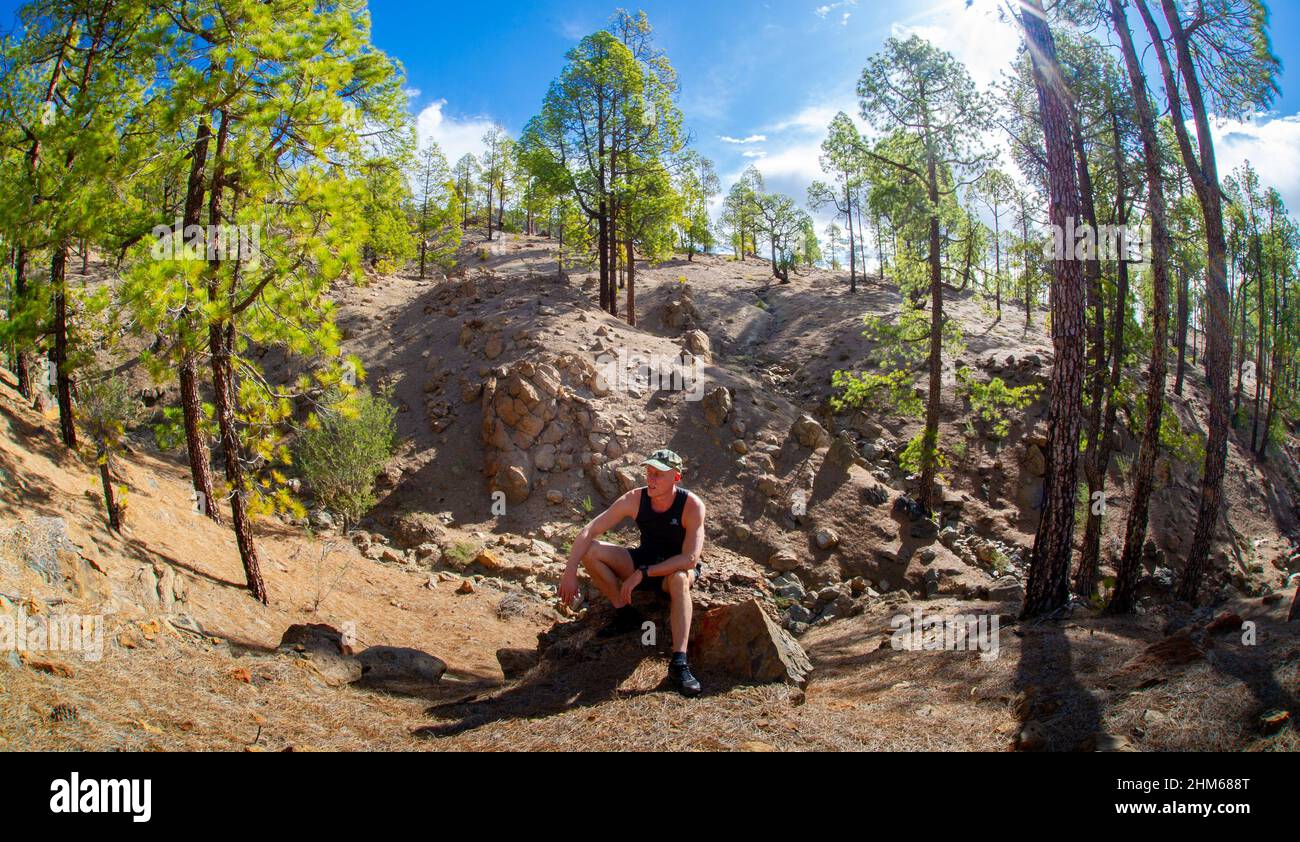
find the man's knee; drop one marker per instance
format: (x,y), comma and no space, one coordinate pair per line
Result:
(679,583)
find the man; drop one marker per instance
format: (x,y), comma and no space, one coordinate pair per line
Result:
(671,521)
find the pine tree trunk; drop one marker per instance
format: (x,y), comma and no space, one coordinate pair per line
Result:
(631,284)
(1182,331)
(20,349)
(1049,572)
(63,378)
(221,342)
(613,256)
(1092,270)
(196,443)
(195,440)
(1205,177)
(110,499)
(1259,346)
(1241,355)
(930,437)
(853,263)
(22,372)
(1085,579)
(1135,528)
(1276,363)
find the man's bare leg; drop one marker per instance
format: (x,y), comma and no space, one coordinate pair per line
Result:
(608,565)
(678,586)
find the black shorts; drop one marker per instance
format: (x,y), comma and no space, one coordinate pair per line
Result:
(646,556)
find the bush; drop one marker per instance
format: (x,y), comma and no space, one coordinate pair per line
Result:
(343,448)
(993,402)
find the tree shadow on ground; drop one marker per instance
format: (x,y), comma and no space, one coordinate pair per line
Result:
(1064,713)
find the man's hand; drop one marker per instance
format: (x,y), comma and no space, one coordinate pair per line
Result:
(629,585)
(569,586)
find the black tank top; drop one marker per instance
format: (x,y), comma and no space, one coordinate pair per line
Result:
(662,533)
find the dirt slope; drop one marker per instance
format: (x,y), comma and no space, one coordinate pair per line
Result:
(774,347)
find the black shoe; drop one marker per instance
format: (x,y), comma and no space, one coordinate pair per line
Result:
(687,684)
(626,620)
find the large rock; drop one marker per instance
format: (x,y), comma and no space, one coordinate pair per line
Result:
(809,433)
(323,647)
(743,642)
(514,482)
(516,662)
(1007,589)
(842,453)
(716,406)
(1035,460)
(783,561)
(400,669)
(697,342)
(416,528)
(44,546)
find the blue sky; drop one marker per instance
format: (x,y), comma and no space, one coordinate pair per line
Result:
(768,73)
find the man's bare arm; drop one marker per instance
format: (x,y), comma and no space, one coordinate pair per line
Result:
(692,546)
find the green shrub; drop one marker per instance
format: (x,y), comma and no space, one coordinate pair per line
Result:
(994,401)
(462,553)
(343,448)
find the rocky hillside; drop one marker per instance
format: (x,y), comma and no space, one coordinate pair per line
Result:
(435,624)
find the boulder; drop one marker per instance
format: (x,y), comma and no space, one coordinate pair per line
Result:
(716,406)
(44,546)
(1035,461)
(399,669)
(743,642)
(788,586)
(1007,589)
(809,433)
(322,647)
(826,539)
(514,482)
(875,495)
(516,662)
(697,342)
(842,453)
(416,528)
(783,561)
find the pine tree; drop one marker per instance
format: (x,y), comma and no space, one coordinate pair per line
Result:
(922,92)
(439,211)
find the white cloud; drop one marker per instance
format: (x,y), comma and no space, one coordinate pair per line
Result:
(975,36)
(754,153)
(412,93)
(823,11)
(816,118)
(844,21)
(457,136)
(1270,143)
(754,138)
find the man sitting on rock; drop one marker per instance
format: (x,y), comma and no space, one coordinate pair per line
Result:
(671,521)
